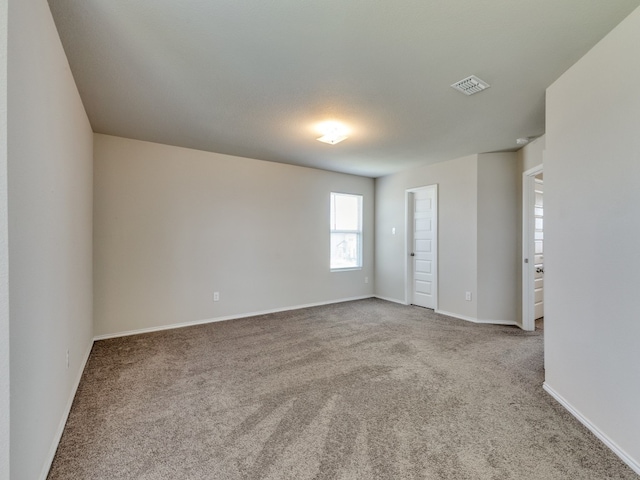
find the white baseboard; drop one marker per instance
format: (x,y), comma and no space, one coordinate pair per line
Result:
(457,315)
(635,466)
(512,323)
(223,319)
(387,299)
(476,320)
(63,421)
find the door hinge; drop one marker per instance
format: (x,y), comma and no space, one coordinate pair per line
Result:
(526,260)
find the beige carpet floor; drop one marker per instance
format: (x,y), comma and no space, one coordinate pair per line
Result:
(358,390)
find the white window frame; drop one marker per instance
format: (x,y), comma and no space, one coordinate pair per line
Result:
(356,232)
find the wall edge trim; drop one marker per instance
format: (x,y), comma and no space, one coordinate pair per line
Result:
(65,416)
(477,320)
(393,300)
(634,465)
(192,323)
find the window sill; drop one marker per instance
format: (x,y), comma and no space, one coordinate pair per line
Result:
(348,269)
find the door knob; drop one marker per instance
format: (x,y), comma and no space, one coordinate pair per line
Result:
(413,254)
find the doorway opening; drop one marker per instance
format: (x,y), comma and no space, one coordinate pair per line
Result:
(421,267)
(532,248)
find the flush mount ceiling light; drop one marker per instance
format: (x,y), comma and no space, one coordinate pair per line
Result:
(333,132)
(471,85)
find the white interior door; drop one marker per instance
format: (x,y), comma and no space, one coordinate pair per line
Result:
(423,246)
(532,247)
(539,249)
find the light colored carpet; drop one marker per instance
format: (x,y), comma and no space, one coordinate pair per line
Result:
(358,390)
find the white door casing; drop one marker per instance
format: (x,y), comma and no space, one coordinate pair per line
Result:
(422,246)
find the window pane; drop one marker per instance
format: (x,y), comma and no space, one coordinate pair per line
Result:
(346,212)
(346,231)
(345,250)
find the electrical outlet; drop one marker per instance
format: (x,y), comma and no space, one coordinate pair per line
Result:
(467,296)
(67,359)
(216,296)
(366,279)
(393,231)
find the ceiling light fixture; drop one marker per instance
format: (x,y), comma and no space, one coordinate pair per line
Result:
(333,132)
(523,140)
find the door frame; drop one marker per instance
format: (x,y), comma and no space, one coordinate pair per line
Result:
(528,248)
(408,247)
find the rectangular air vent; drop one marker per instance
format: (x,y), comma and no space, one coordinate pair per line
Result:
(470,85)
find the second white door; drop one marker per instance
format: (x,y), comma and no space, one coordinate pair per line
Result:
(423,246)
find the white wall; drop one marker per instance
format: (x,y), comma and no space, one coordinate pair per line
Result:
(4,252)
(50,236)
(531,154)
(477,235)
(457,232)
(498,226)
(592,233)
(173,225)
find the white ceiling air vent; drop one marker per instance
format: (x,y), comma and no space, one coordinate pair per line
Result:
(470,85)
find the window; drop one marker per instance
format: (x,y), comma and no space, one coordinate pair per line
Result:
(346,231)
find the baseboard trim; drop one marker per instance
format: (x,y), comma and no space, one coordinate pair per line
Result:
(457,315)
(477,320)
(387,299)
(635,466)
(223,319)
(63,421)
